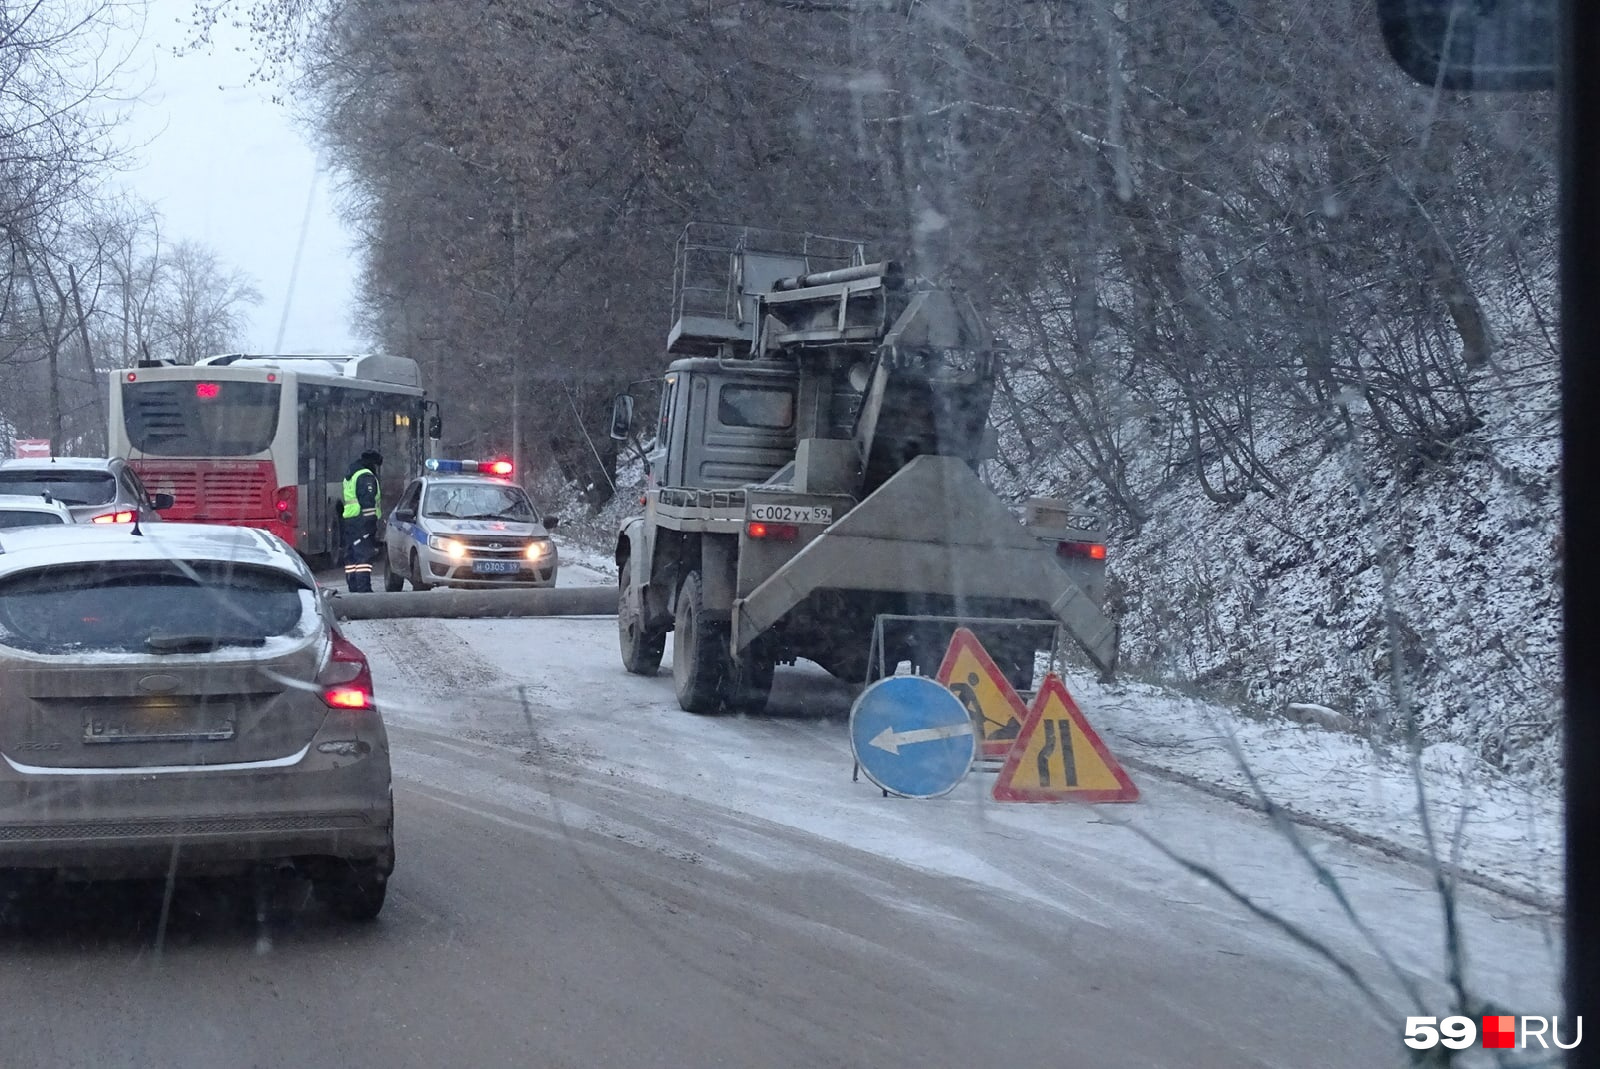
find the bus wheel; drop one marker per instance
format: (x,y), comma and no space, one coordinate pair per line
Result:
(417,582)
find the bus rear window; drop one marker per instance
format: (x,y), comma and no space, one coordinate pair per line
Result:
(211,418)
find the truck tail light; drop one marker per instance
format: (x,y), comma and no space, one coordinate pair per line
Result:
(1081,550)
(284,502)
(774,532)
(346,682)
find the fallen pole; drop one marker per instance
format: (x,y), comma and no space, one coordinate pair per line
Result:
(478,604)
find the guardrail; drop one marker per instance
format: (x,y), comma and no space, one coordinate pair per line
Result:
(477,604)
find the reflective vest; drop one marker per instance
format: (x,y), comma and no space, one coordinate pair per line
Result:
(352,505)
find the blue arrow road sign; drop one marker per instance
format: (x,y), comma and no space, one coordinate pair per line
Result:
(912,737)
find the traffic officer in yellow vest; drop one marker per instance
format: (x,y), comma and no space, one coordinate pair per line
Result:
(361,506)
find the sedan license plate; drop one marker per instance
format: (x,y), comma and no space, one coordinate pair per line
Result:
(191,723)
(792,513)
(501,566)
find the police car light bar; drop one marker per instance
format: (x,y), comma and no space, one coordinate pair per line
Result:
(502,468)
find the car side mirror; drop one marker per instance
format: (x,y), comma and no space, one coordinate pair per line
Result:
(162,501)
(621,417)
(435,428)
(405,515)
(552,522)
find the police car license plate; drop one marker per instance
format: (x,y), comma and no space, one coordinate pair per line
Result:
(495,566)
(792,513)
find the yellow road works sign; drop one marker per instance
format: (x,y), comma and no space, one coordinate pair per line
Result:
(991,701)
(1058,758)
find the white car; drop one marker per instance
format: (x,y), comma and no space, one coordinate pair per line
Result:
(466,525)
(25,510)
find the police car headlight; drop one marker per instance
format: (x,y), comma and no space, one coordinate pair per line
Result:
(455,549)
(536,550)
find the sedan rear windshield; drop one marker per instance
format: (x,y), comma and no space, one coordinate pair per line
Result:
(27,518)
(164,607)
(67,487)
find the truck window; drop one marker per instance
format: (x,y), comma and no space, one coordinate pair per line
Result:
(766,407)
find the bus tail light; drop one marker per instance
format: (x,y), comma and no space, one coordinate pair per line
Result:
(1081,550)
(284,503)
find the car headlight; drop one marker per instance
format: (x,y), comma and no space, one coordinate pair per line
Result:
(537,550)
(453,547)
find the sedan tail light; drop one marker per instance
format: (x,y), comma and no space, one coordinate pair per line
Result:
(346,682)
(115,517)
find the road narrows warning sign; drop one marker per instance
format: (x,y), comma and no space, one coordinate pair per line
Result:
(1058,757)
(971,675)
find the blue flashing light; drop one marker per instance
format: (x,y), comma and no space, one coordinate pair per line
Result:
(451,467)
(501,468)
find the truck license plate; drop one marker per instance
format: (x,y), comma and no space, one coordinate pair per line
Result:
(496,566)
(792,513)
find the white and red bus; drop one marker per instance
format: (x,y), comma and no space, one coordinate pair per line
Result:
(265,441)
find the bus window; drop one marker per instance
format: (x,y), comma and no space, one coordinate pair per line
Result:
(186,418)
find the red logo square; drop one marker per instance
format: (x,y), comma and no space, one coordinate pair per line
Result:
(1499,1032)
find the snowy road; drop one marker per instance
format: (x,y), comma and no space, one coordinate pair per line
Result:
(590,877)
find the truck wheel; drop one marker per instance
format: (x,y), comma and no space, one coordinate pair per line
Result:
(749,682)
(641,646)
(699,652)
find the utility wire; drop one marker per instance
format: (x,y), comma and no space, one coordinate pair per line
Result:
(299,250)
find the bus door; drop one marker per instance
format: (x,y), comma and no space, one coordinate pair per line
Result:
(315,471)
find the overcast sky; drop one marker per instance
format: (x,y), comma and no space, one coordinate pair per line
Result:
(228,167)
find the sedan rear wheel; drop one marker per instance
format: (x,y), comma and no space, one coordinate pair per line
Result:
(352,890)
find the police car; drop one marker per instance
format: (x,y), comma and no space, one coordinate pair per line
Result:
(464,523)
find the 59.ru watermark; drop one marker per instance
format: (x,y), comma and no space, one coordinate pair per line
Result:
(1498,1032)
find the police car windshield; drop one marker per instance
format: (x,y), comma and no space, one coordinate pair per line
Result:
(478,501)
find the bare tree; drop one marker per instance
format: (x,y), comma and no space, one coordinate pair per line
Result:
(201,303)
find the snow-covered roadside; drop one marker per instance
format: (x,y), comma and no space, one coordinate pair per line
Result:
(1505,830)
(616,733)
(594,568)
(1482,821)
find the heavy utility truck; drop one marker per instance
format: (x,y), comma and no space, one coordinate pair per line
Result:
(813,486)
